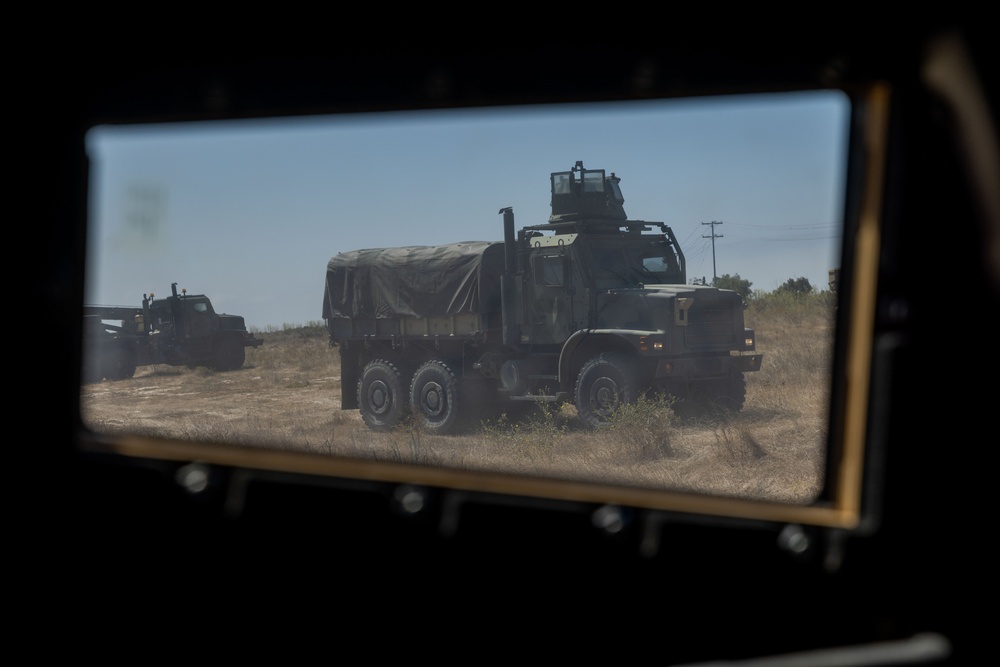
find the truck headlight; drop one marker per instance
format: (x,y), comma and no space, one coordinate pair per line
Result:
(645,344)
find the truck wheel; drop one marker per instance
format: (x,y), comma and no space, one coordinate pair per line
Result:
(605,383)
(381,396)
(229,355)
(714,398)
(91,372)
(732,394)
(434,397)
(120,365)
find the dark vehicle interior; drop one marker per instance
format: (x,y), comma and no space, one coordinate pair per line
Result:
(371,563)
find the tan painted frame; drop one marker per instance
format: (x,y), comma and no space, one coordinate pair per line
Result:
(841,510)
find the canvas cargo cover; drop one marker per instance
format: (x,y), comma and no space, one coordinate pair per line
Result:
(415,281)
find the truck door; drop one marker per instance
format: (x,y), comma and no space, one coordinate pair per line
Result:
(197,325)
(549,302)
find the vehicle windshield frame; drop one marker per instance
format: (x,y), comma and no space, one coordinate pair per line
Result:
(630,252)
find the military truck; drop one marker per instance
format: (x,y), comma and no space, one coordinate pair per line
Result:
(590,308)
(179,330)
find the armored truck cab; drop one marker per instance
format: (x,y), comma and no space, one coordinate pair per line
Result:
(180,329)
(589,307)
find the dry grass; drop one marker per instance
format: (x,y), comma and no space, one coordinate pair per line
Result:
(288,397)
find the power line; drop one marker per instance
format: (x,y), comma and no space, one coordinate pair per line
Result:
(795,226)
(776,240)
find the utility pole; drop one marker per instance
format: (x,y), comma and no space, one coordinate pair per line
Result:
(715,278)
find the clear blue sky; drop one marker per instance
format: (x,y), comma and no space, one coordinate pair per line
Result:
(250,212)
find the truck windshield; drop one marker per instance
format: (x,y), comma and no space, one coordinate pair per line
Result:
(633,263)
(663,267)
(593,181)
(561,183)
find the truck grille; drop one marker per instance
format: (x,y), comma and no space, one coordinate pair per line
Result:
(711,323)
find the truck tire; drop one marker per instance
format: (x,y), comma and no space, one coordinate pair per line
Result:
(381,396)
(434,397)
(727,395)
(604,384)
(119,365)
(229,355)
(91,372)
(732,394)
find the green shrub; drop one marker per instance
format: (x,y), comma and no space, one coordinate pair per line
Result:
(800,285)
(733,282)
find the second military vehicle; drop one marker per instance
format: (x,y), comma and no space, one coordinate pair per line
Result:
(590,307)
(178,330)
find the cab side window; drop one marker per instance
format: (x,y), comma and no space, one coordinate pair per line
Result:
(550,271)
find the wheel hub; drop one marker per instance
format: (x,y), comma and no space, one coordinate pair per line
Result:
(432,399)
(604,395)
(379,397)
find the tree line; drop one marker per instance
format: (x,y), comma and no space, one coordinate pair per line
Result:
(741,286)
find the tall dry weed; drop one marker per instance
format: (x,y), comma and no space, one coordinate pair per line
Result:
(644,429)
(288,396)
(534,437)
(737,446)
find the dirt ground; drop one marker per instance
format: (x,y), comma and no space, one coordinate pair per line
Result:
(287,398)
(244,405)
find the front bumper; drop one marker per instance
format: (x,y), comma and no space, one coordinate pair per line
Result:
(707,367)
